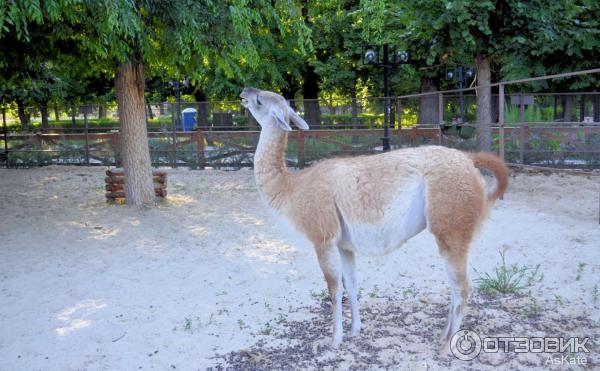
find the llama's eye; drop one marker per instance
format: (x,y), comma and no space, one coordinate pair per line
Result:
(258,101)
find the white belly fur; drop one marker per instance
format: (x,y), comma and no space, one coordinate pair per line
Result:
(403,219)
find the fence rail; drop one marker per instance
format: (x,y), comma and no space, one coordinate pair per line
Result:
(547,129)
(559,146)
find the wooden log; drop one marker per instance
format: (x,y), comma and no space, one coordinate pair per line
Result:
(121,194)
(161,177)
(121,180)
(121,172)
(116,201)
(121,187)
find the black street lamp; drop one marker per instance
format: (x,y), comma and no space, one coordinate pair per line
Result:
(372,57)
(461,75)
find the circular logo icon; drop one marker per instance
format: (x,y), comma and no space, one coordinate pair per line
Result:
(465,345)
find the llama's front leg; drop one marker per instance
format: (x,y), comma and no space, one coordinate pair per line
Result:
(351,286)
(331,265)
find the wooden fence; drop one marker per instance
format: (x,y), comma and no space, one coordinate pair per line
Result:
(559,146)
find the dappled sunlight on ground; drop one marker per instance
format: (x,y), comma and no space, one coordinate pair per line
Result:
(74,317)
(177,200)
(247,218)
(198,231)
(102,233)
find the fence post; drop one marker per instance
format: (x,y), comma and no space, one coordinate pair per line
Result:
(300,148)
(399,110)
(5,136)
(501,120)
(174,139)
(86,132)
(199,138)
(116,148)
(522,129)
(440,117)
(37,142)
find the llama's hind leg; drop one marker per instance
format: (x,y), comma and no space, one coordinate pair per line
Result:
(331,265)
(351,286)
(455,256)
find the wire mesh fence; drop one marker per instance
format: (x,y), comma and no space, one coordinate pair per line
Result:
(547,129)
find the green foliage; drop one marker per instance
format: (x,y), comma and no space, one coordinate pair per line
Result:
(221,45)
(508,279)
(66,50)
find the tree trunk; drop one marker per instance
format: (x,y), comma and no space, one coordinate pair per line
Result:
(289,92)
(495,107)
(568,108)
(44,113)
(484,103)
(428,105)
(23,115)
(135,153)
(56,112)
(101,111)
(202,109)
(73,114)
(310,91)
(150,113)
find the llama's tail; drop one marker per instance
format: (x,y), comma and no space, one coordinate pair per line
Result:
(497,166)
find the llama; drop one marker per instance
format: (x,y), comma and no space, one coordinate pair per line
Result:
(373,204)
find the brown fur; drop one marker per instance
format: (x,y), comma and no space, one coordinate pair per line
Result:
(322,200)
(497,167)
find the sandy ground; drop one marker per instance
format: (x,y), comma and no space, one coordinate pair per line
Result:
(206,280)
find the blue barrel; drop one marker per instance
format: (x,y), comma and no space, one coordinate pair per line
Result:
(188,119)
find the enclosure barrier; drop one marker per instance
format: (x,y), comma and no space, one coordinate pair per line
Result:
(542,129)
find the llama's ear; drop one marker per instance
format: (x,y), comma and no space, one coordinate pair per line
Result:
(280,118)
(297,120)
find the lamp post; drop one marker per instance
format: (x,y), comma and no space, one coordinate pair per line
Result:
(460,76)
(176,122)
(176,84)
(387,62)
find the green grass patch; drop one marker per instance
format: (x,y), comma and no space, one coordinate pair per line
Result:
(508,279)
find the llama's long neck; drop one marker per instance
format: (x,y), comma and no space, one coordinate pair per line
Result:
(270,170)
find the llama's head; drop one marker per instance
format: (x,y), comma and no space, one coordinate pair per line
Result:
(271,110)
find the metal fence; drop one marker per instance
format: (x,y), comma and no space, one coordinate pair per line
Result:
(547,129)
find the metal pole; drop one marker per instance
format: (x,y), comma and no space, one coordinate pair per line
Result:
(461,85)
(399,109)
(386,101)
(440,118)
(5,136)
(173,137)
(501,119)
(522,129)
(87,144)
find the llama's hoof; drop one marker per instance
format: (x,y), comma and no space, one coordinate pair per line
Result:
(337,341)
(355,331)
(444,346)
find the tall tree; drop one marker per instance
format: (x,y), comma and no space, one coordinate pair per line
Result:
(128,36)
(491,32)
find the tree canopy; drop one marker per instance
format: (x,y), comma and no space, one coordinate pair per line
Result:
(223,45)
